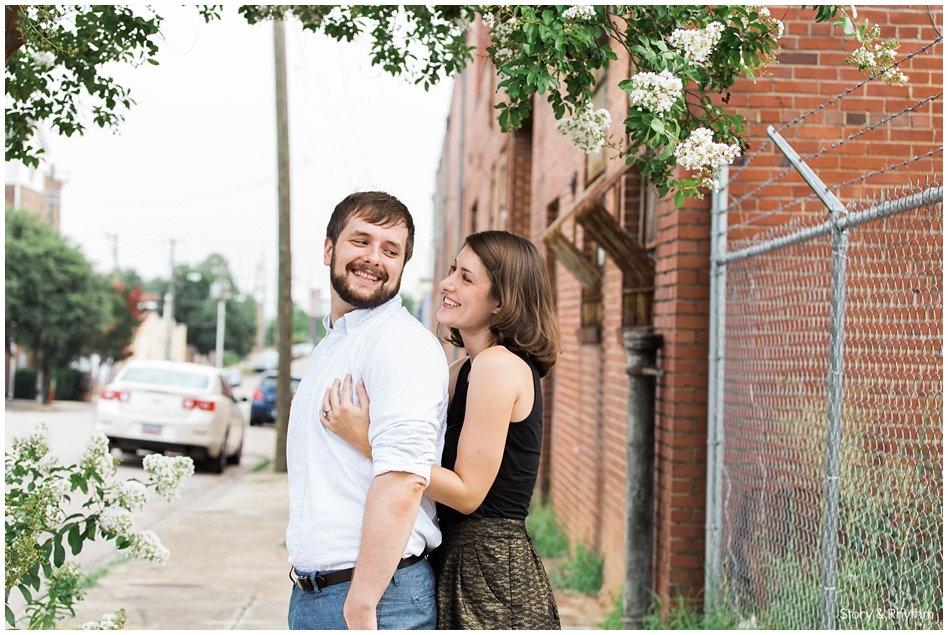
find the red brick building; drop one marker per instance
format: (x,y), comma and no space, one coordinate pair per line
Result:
(622,259)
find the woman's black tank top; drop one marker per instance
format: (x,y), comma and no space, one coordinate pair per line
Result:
(509,496)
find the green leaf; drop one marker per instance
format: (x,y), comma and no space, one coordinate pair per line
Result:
(679,198)
(11,619)
(26,593)
(59,553)
(658,126)
(75,540)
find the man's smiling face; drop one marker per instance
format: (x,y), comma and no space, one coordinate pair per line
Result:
(366,263)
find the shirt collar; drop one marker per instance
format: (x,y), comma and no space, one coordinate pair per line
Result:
(354,319)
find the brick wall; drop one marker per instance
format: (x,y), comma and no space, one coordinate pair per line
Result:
(586,397)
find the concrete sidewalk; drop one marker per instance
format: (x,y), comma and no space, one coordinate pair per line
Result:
(228,568)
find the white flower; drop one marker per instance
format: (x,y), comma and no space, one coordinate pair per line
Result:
(109,622)
(47,463)
(503,46)
(147,546)
(97,456)
(774,26)
(131,495)
(589,128)
(696,44)
(44,59)
(34,446)
(580,12)
(115,520)
(657,93)
(167,472)
(700,152)
(57,488)
(488,19)
(68,570)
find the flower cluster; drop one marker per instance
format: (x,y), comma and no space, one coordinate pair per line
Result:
(35,446)
(167,472)
(588,128)
(44,59)
(696,44)
(700,152)
(109,622)
(116,521)
(97,457)
(774,26)
(877,58)
(132,495)
(147,546)
(580,12)
(656,93)
(503,45)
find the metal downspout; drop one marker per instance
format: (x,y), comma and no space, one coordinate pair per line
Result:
(640,474)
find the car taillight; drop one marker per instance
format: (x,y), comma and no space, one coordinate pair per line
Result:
(190,403)
(258,395)
(108,394)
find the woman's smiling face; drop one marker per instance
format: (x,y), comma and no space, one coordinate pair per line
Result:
(467,305)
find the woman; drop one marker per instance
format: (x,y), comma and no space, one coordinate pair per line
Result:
(497,306)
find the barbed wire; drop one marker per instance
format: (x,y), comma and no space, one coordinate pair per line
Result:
(822,106)
(835,188)
(823,151)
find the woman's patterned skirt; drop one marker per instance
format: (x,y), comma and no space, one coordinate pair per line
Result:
(490,577)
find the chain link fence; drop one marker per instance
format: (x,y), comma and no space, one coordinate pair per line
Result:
(825,450)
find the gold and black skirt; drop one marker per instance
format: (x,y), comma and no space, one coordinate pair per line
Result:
(490,577)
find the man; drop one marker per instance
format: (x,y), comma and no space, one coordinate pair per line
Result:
(358,527)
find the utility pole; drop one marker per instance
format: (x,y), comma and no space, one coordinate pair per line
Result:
(284,276)
(169,306)
(114,239)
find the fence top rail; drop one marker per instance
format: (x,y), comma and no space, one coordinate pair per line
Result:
(930,196)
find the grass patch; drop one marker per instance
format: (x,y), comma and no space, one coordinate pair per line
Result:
(548,539)
(91,580)
(583,572)
(262,465)
(679,615)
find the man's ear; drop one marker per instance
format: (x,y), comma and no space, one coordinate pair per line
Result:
(327,251)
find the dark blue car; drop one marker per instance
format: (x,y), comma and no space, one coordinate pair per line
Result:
(263,406)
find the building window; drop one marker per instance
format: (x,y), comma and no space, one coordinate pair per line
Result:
(596,162)
(590,331)
(639,199)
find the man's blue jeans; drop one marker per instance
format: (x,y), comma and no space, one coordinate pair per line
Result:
(407,604)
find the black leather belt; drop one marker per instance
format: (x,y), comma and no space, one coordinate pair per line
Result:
(310,583)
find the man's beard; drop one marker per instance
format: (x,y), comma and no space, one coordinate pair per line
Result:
(380,296)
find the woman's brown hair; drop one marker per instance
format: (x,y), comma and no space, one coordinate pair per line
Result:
(527,320)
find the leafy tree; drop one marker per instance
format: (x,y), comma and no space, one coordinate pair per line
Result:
(55,58)
(125,317)
(194,306)
(300,327)
(57,52)
(56,304)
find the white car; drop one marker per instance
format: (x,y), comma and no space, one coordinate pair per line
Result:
(173,406)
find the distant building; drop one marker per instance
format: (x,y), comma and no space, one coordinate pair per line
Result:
(35,190)
(149,342)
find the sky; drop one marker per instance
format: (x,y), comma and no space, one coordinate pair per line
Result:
(194,161)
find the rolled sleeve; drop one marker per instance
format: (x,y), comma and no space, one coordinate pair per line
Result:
(407,386)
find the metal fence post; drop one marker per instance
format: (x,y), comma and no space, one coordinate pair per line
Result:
(714,506)
(834,398)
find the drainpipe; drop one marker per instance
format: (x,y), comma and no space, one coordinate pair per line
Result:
(640,468)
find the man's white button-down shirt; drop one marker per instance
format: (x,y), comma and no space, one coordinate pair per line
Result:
(406,377)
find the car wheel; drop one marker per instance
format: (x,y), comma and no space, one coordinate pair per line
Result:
(234,459)
(216,464)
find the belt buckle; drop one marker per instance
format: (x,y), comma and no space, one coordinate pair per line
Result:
(303,582)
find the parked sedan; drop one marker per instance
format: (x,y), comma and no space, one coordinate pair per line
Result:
(263,405)
(173,406)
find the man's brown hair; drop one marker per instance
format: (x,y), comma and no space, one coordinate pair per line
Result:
(378,208)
